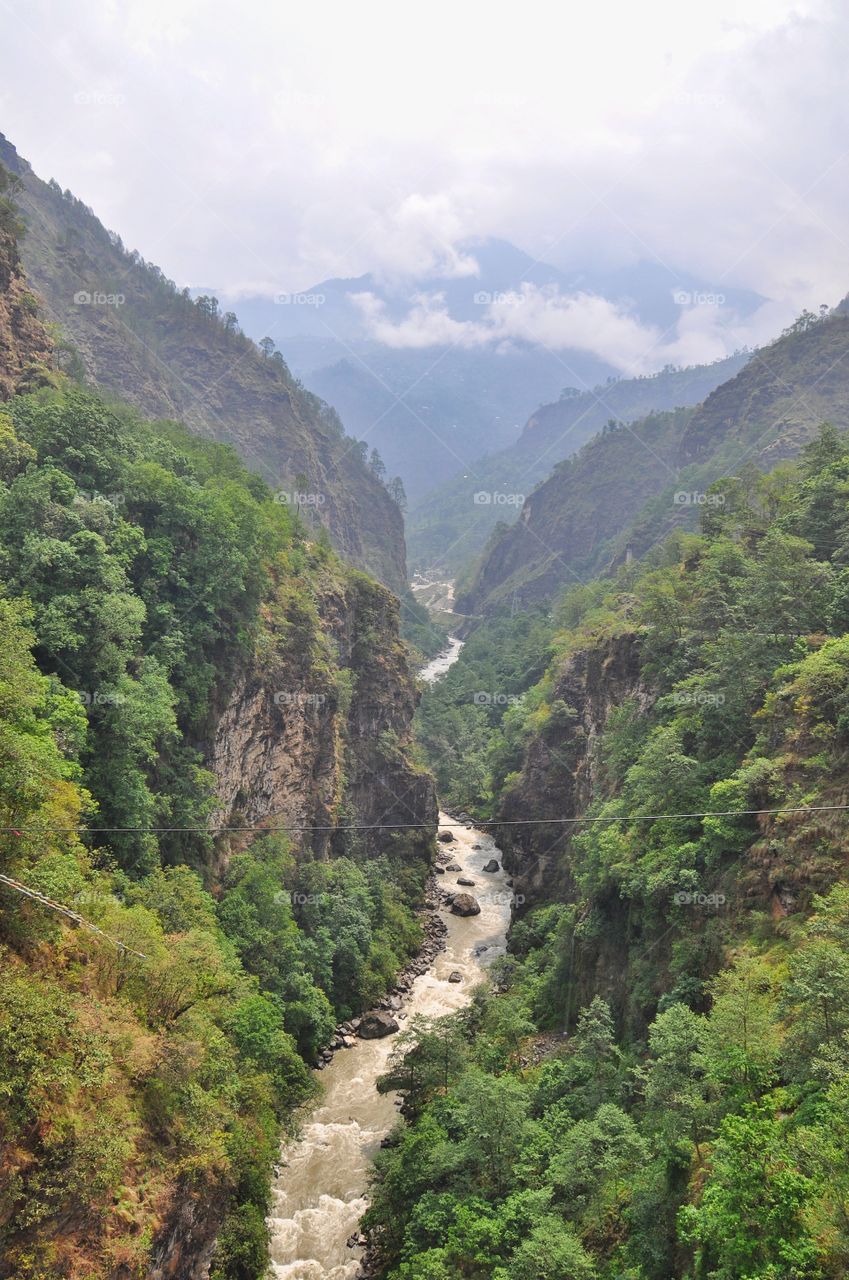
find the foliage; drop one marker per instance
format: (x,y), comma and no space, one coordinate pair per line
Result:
(691,1119)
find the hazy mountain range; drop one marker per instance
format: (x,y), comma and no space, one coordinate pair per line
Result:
(435,372)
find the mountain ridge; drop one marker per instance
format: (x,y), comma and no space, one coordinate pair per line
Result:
(143,341)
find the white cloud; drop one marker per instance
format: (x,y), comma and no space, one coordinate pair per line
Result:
(706,330)
(292,145)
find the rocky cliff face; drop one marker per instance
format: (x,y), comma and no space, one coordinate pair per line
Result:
(137,337)
(315,731)
(569,524)
(25,347)
(561,772)
(620,489)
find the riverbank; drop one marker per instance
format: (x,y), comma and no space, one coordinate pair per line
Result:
(320,1193)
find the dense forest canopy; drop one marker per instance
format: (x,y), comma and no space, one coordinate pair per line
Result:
(139,564)
(689,1117)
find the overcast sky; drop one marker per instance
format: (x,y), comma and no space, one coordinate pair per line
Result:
(263,147)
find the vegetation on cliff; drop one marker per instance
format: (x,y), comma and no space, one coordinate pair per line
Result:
(634,483)
(155,1063)
(659,1089)
(126,328)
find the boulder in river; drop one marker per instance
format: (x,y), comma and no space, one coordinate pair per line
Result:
(455,976)
(464,905)
(453,866)
(492,865)
(464,880)
(440,871)
(445,837)
(378,1023)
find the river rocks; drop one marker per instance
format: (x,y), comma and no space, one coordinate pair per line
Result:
(491,866)
(440,871)
(377,1024)
(464,880)
(464,904)
(453,866)
(455,976)
(446,837)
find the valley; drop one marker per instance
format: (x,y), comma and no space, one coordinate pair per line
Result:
(320,1193)
(424,655)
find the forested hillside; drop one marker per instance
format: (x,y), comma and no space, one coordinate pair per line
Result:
(191,682)
(129,330)
(646,483)
(659,1087)
(449,529)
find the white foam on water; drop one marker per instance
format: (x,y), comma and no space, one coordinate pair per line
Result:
(320,1193)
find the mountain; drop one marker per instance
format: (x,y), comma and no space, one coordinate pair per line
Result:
(25,346)
(137,337)
(448,529)
(214,837)
(630,486)
(657,1086)
(431,405)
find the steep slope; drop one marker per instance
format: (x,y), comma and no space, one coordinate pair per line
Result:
(766,413)
(205,753)
(657,1086)
(25,348)
(448,529)
(140,339)
(432,405)
(568,524)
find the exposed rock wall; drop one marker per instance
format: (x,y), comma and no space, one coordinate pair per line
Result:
(307,739)
(141,340)
(25,347)
(560,775)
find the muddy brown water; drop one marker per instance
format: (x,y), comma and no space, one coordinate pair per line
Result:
(320,1193)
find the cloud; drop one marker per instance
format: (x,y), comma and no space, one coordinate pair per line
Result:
(427,324)
(706,328)
(289,147)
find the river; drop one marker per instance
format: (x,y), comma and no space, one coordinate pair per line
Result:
(320,1193)
(436,668)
